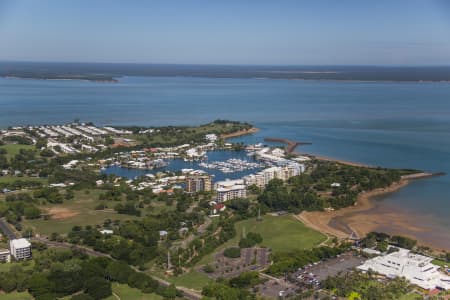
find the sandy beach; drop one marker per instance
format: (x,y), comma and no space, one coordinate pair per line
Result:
(365,216)
(321,220)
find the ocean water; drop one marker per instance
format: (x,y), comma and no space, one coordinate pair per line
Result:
(405,125)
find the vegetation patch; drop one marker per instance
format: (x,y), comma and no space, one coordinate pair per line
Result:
(232,252)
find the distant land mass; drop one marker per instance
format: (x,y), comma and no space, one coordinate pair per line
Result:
(110,72)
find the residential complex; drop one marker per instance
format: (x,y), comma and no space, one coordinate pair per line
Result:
(20,248)
(230,189)
(262,178)
(198,183)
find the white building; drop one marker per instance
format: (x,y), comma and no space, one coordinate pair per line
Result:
(230,189)
(262,178)
(20,248)
(232,192)
(5,256)
(416,268)
(211,137)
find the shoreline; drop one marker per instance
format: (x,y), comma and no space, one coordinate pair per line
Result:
(112,80)
(320,220)
(341,161)
(358,219)
(239,133)
(424,81)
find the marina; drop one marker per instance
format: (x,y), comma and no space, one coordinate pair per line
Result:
(224,165)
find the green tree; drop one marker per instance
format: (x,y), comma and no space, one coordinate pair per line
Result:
(98,288)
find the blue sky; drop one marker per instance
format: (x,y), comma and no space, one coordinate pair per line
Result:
(319,32)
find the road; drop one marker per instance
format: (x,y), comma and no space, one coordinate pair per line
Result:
(200,230)
(187,293)
(4,226)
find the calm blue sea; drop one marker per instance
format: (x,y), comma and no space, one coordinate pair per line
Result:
(389,124)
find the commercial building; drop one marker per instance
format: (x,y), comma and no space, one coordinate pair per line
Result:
(416,268)
(5,256)
(20,248)
(198,183)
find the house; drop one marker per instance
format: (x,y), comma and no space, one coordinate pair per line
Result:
(106,231)
(20,248)
(5,255)
(163,234)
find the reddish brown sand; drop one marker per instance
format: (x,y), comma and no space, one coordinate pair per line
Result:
(366,216)
(60,213)
(239,133)
(321,220)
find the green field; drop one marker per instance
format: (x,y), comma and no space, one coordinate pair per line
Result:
(26,265)
(280,233)
(13,149)
(193,280)
(125,292)
(411,296)
(79,211)
(10,179)
(16,296)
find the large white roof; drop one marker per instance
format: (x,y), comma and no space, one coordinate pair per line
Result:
(20,243)
(416,268)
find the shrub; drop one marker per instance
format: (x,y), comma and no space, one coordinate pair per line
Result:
(232,252)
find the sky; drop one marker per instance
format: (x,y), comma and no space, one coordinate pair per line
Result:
(277,32)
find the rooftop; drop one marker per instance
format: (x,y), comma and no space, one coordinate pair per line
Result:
(20,243)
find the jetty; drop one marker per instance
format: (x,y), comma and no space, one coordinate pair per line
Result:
(290,145)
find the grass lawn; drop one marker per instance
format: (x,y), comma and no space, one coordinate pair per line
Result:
(79,211)
(26,265)
(125,292)
(10,179)
(280,233)
(193,280)
(411,296)
(16,296)
(13,149)
(440,263)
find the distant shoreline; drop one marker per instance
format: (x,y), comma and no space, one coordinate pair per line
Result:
(114,80)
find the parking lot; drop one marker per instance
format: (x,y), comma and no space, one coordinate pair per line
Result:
(274,288)
(313,274)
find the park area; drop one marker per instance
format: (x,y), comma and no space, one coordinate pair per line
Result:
(13,149)
(125,292)
(79,211)
(280,234)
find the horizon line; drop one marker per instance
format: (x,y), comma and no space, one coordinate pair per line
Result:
(228,65)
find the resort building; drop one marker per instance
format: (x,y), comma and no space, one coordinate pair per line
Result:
(20,248)
(230,189)
(262,178)
(198,183)
(5,256)
(416,268)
